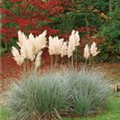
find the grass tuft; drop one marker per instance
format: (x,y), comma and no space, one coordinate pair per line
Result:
(50,95)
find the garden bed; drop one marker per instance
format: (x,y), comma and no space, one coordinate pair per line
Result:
(9,68)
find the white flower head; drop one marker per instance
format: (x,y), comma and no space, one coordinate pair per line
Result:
(32,43)
(77,38)
(38,60)
(71,46)
(27,51)
(41,41)
(31,39)
(86,51)
(21,38)
(73,42)
(38,42)
(93,49)
(64,49)
(17,57)
(51,46)
(55,45)
(58,46)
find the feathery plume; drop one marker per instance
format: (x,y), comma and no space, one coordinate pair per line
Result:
(21,38)
(41,41)
(38,60)
(73,42)
(76,37)
(71,46)
(64,49)
(27,51)
(55,45)
(58,45)
(86,51)
(93,49)
(51,45)
(17,57)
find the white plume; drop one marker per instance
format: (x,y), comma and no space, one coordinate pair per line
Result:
(86,51)
(55,45)
(17,57)
(21,38)
(73,42)
(64,49)
(38,60)
(93,49)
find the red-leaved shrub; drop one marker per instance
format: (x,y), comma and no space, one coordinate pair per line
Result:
(29,16)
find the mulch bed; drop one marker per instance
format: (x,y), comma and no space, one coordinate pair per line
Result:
(9,68)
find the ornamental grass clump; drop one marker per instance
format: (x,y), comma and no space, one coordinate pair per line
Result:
(90,91)
(38,97)
(58,93)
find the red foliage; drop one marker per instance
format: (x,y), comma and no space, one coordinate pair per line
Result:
(25,15)
(86,29)
(16,0)
(65,36)
(5,31)
(5,21)
(6,11)
(22,22)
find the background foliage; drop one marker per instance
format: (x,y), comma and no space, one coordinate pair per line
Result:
(59,17)
(111,31)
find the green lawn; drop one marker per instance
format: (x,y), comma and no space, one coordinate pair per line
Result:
(3,114)
(111,113)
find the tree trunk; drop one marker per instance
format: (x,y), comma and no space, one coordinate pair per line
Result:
(110,5)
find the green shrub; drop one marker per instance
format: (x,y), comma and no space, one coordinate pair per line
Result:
(110,51)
